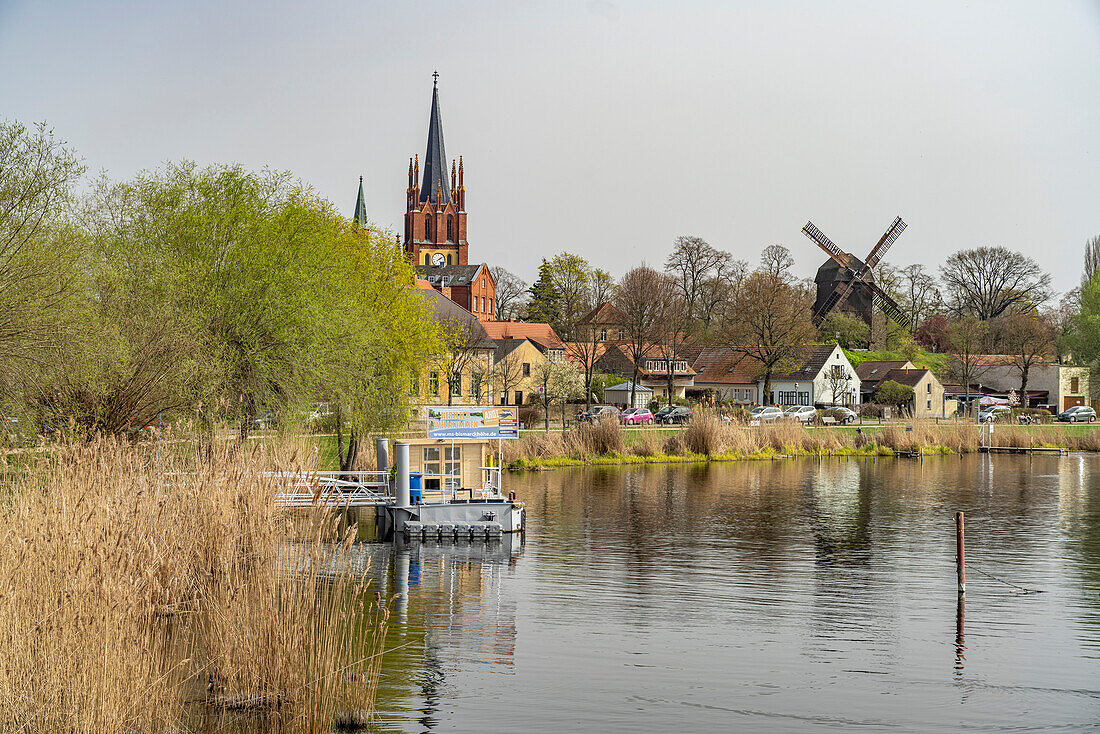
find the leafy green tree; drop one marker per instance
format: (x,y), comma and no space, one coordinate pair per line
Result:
(847,331)
(40,256)
(1084,335)
(544,303)
(893,393)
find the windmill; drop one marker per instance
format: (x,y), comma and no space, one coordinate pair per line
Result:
(845,280)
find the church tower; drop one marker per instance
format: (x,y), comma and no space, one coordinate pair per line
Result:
(435,211)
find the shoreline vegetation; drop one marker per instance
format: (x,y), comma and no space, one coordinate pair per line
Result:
(708,439)
(149,588)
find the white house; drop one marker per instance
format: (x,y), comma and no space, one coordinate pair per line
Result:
(825,378)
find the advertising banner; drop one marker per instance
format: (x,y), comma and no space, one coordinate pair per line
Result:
(488,421)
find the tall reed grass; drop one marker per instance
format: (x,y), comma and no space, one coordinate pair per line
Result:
(138,583)
(708,436)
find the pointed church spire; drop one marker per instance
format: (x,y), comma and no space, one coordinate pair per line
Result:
(435,159)
(360,215)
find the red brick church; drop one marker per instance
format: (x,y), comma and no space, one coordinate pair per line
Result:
(435,226)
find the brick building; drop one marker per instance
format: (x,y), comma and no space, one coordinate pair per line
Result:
(435,225)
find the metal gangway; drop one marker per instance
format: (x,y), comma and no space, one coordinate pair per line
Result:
(333,489)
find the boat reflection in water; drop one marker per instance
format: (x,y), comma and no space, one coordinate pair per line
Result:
(454,602)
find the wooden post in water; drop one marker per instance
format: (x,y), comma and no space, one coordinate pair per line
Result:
(960,553)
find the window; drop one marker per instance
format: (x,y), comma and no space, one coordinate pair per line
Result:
(526,369)
(427,258)
(427,228)
(622,334)
(929,404)
(415,387)
(519,397)
(1074,384)
(456,384)
(603,335)
(449,469)
(475,385)
(448,259)
(433,383)
(928,387)
(504,398)
(450,228)
(490,306)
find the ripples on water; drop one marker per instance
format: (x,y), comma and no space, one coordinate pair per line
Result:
(764,596)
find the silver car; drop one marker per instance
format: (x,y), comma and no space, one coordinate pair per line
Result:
(765,414)
(801,413)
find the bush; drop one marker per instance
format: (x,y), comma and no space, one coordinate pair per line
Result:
(893,393)
(529,416)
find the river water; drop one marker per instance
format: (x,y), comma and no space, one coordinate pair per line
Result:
(760,596)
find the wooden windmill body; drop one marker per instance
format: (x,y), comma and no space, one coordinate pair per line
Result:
(846,283)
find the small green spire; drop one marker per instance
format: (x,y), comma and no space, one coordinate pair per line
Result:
(360,215)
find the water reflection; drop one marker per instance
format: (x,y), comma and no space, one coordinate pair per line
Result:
(764,596)
(960,637)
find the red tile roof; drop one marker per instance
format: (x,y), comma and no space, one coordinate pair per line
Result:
(543,335)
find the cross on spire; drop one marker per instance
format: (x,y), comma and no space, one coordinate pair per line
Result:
(435,78)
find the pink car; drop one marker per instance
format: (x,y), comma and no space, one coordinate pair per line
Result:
(637,417)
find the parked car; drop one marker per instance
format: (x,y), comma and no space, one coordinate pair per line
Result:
(801,413)
(991,413)
(599,413)
(679,414)
(637,417)
(843,416)
(1078,414)
(765,413)
(264,420)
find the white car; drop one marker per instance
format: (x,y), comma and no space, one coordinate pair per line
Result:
(992,413)
(801,413)
(765,414)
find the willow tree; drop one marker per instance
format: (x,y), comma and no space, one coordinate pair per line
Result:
(40,257)
(381,336)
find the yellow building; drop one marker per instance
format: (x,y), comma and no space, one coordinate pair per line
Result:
(462,375)
(518,370)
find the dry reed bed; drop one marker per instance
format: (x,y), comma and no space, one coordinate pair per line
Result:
(708,436)
(135,582)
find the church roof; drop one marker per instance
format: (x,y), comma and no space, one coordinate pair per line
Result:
(434,188)
(455,274)
(360,214)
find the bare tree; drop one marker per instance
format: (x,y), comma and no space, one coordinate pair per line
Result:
(717,292)
(1092,259)
(776,260)
(601,288)
(919,292)
(511,290)
(987,282)
(1028,339)
(695,263)
(643,296)
(772,325)
(968,338)
(507,374)
(465,342)
(675,335)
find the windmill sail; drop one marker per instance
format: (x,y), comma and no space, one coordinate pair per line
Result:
(890,307)
(888,239)
(826,244)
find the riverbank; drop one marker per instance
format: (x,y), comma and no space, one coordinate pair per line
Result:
(708,439)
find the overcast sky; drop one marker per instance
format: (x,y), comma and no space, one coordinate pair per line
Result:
(604,128)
